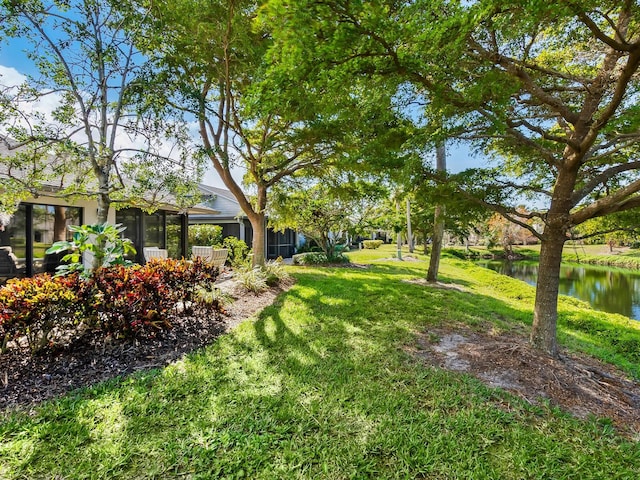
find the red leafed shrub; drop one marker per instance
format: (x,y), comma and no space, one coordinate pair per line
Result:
(119,300)
(33,307)
(141,299)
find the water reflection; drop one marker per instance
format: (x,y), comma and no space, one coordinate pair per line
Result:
(609,290)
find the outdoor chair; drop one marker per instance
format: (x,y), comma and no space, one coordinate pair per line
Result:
(153,252)
(219,256)
(209,254)
(9,267)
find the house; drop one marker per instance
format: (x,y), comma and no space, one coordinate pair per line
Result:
(39,222)
(44,219)
(234,223)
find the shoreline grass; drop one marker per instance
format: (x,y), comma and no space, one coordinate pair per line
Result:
(620,257)
(319,385)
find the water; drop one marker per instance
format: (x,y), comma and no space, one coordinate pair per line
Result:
(605,289)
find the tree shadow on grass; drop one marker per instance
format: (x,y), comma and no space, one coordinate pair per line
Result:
(317,386)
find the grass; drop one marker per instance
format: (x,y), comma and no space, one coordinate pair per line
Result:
(319,385)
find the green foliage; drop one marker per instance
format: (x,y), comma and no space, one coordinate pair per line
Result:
(205,235)
(103,242)
(516,81)
(252,279)
(212,297)
(327,211)
(84,53)
(372,244)
(276,272)
(259,278)
(238,251)
(318,258)
(309,258)
(334,369)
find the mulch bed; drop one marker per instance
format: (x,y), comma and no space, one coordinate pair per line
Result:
(26,379)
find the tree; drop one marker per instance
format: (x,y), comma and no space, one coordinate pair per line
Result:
(439,217)
(328,212)
(93,143)
(549,89)
(212,66)
(431,192)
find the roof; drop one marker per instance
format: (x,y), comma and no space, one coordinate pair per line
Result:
(221,200)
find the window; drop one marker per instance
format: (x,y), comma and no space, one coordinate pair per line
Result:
(29,232)
(160,229)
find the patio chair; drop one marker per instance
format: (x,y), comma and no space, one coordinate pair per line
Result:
(219,257)
(9,267)
(154,252)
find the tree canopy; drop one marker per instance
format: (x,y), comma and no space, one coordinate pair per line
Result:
(92,142)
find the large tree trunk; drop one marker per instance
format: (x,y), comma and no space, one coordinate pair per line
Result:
(558,223)
(438,221)
(543,332)
(104,202)
(258,223)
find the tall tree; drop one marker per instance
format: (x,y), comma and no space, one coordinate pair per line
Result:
(212,59)
(548,88)
(92,142)
(328,211)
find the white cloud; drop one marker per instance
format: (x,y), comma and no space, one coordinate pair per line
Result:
(10,76)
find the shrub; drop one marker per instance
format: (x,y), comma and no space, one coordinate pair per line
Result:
(33,307)
(102,241)
(453,252)
(275,272)
(308,246)
(140,300)
(212,298)
(310,258)
(317,258)
(371,244)
(252,279)
(206,235)
(118,300)
(238,251)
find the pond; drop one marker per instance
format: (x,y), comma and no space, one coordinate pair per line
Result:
(607,289)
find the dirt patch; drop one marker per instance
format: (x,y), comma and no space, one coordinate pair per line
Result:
(27,379)
(577,384)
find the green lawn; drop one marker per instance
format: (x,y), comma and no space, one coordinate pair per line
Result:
(319,386)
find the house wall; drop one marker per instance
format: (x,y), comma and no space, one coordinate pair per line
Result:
(37,223)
